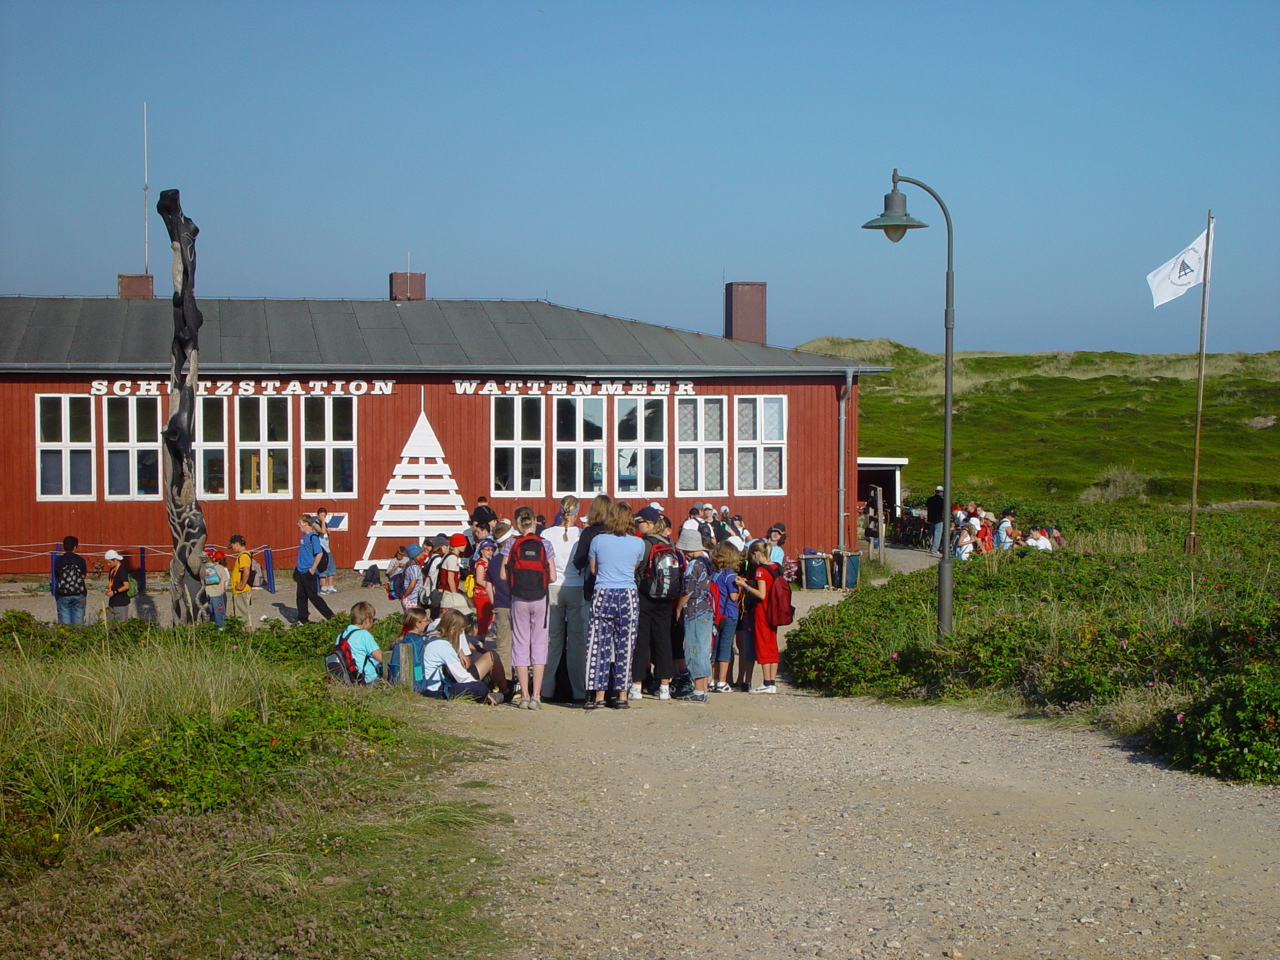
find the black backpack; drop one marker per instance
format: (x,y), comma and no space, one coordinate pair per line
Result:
(663,576)
(70,579)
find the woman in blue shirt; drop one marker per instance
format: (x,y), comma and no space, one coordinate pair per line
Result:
(614,556)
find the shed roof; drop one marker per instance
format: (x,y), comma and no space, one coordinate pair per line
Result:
(383,336)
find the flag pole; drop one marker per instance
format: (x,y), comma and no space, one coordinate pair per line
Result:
(1191,545)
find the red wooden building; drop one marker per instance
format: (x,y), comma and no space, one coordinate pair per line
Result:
(399,413)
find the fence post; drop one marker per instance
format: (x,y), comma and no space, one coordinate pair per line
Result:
(270,566)
(142,569)
(53,565)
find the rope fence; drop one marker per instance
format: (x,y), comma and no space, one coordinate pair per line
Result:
(163,554)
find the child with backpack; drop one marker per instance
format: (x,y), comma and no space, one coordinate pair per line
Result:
(661,578)
(216,581)
(357,652)
(727,592)
(69,590)
(696,609)
(528,568)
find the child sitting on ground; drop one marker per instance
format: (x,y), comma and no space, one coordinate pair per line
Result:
(440,655)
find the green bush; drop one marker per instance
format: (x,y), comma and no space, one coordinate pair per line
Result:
(1068,629)
(1233,732)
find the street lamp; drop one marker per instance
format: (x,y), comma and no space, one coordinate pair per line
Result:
(895,222)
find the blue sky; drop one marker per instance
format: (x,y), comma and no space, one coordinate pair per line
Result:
(624,157)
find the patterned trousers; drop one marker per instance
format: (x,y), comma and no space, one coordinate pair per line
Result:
(611,634)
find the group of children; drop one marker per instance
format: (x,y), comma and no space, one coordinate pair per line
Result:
(527,612)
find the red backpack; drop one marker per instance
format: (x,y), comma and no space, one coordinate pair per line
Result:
(778,610)
(527,568)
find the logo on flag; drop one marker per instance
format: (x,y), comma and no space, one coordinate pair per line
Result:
(1173,279)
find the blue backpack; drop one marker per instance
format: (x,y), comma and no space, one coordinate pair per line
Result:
(405,665)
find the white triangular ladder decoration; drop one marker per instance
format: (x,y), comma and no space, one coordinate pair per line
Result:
(422,497)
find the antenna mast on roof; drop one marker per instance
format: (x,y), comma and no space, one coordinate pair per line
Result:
(146,207)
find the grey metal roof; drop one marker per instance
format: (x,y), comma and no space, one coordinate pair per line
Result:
(472,337)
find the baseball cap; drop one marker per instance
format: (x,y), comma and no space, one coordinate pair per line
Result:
(648,513)
(236,538)
(938,488)
(112,555)
(699,506)
(488,542)
(439,540)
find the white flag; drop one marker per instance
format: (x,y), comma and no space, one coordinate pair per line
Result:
(1183,272)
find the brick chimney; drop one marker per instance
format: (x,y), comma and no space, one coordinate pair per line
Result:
(408,286)
(744,311)
(135,286)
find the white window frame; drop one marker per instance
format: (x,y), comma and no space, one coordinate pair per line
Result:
(700,446)
(518,445)
(263,447)
(579,446)
(65,447)
(132,446)
(200,446)
(759,446)
(641,446)
(328,446)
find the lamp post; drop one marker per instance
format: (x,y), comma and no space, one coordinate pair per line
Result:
(895,222)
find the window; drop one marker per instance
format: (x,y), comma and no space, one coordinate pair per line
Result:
(642,445)
(328,445)
(761,445)
(64,447)
(262,439)
(701,450)
(211,446)
(517,445)
(579,446)
(132,427)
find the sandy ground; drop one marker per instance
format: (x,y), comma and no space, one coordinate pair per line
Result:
(792,825)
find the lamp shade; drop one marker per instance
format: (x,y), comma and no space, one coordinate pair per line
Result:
(895,221)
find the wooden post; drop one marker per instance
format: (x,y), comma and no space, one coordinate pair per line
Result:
(186,520)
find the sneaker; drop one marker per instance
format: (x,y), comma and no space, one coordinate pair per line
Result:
(664,692)
(765,688)
(526,703)
(635,693)
(720,687)
(533,703)
(694,696)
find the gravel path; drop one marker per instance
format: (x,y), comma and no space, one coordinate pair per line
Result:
(793,825)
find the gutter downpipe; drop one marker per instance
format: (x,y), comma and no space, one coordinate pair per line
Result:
(844,407)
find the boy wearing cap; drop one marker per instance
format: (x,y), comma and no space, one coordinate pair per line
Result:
(412,577)
(216,581)
(117,585)
(241,595)
(450,579)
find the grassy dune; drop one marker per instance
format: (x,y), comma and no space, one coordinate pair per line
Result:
(1051,424)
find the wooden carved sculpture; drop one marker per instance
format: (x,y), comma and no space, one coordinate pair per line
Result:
(186,521)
